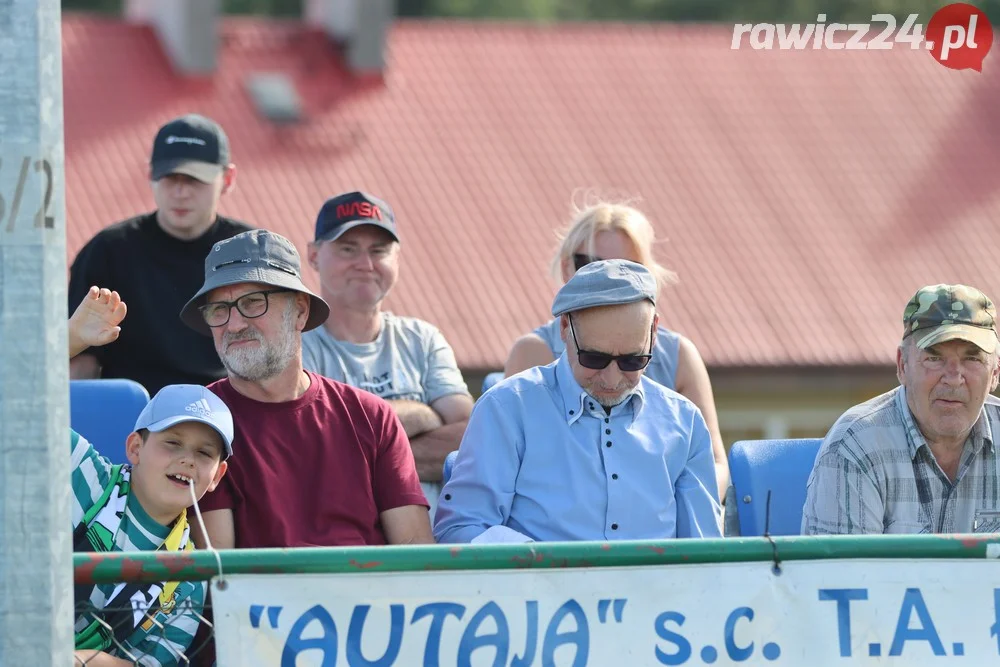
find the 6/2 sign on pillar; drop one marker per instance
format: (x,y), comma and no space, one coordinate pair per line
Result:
(31,175)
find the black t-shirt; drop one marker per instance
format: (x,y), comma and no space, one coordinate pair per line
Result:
(156,274)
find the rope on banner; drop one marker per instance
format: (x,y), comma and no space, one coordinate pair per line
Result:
(776,568)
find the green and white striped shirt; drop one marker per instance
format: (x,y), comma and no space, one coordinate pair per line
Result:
(162,641)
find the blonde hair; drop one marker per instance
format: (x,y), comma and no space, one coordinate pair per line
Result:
(607,216)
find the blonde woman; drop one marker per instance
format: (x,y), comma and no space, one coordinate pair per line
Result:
(618,231)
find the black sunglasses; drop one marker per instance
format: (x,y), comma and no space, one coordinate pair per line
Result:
(595,361)
(581,260)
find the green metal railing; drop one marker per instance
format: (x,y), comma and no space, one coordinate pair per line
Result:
(203,565)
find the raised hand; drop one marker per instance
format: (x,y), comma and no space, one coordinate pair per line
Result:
(95,321)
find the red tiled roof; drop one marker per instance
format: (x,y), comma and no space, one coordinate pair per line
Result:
(805,195)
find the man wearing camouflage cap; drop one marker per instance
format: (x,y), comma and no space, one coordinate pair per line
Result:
(920,458)
(586,448)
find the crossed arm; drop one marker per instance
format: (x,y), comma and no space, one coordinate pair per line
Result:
(434,430)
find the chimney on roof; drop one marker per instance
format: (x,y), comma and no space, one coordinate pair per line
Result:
(362,26)
(187,29)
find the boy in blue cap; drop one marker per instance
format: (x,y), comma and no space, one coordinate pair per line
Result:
(176,454)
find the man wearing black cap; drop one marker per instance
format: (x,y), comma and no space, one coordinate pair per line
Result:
(155,261)
(405,360)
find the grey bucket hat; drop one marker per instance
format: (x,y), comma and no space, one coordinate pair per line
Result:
(256,256)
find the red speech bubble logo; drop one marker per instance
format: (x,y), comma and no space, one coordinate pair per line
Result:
(959,36)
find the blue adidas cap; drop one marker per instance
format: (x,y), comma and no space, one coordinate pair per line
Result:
(177,403)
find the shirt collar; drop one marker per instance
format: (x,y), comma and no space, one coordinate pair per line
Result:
(575,399)
(981,434)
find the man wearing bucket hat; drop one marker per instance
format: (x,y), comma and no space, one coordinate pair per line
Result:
(154,261)
(405,360)
(586,448)
(922,457)
(321,463)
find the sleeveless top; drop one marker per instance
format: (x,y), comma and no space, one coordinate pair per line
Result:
(662,367)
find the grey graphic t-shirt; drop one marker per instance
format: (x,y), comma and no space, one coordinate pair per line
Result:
(408,360)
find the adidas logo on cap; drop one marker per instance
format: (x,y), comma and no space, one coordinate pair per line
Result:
(200,408)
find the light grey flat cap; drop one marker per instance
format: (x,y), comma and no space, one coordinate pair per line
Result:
(610,282)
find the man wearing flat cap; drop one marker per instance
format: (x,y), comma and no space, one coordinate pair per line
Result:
(586,448)
(920,458)
(321,463)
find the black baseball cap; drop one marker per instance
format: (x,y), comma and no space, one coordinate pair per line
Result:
(192,145)
(353,209)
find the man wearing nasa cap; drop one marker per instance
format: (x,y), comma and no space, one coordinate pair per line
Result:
(921,458)
(155,261)
(405,360)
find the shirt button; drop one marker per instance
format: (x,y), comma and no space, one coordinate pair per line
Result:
(614,526)
(607,421)
(607,444)
(607,431)
(447,496)
(571,412)
(614,476)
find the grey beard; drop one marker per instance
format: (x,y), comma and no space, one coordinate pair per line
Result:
(611,404)
(267,361)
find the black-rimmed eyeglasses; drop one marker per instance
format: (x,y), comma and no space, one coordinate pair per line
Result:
(250,305)
(595,361)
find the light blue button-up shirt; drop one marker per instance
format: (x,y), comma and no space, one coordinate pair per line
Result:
(543,458)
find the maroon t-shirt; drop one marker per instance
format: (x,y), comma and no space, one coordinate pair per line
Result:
(316,471)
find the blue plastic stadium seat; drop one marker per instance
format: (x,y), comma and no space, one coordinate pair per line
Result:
(104,412)
(449,465)
(491,380)
(779,466)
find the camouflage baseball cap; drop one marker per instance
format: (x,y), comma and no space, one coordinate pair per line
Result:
(938,313)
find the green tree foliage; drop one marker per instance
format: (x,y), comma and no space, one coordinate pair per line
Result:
(106,6)
(773,11)
(263,7)
(729,11)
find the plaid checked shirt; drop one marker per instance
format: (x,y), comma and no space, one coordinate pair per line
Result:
(875,474)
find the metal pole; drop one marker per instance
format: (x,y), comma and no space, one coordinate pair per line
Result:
(151,566)
(36,592)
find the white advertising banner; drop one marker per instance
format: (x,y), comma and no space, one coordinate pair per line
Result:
(814,613)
